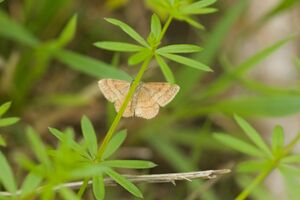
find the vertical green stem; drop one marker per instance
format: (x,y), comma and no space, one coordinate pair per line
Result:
(82,188)
(165,28)
(273,164)
(117,119)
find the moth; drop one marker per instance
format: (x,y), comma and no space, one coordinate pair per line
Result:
(146,100)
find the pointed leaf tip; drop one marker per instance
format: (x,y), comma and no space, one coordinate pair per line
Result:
(253,135)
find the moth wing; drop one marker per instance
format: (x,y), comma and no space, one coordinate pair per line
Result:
(162,93)
(129,112)
(145,106)
(114,90)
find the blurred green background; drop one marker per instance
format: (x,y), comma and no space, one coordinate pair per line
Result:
(50,74)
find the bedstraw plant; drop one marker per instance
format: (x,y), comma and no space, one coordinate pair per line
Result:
(73,160)
(268,158)
(88,161)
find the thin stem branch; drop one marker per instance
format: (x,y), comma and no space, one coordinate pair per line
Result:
(291,145)
(83,188)
(165,28)
(153,178)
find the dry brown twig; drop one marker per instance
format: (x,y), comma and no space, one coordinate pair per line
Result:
(153,178)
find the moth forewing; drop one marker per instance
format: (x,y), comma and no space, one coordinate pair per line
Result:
(129,112)
(114,89)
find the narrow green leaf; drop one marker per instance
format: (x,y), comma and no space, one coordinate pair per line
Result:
(167,72)
(152,41)
(197,5)
(139,57)
(225,81)
(130,187)
(155,26)
(238,145)
(87,171)
(193,23)
(187,61)
(30,165)
(30,184)
(4,108)
(200,11)
(265,89)
(64,100)
(118,46)
(282,6)
(273,106)
(200,4)
(89,136)
(6,175)
(90,66)
(38,147)
(114,144)
(15,31)
(253,135)
(277,139)
(68,194)
(68,32)
(2,141)
(158,4)
(8,121)
(293,170)
(251,166)
(179,48)
(295,158)
(73,144)
(130,31)
(262,55)
(131,164)
(98,187)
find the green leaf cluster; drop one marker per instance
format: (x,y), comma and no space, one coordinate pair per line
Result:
(150,48)
(69,161)
(184,10)
(97,168)
(276,156)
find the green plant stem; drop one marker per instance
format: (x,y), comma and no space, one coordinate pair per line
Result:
(273,164)
(165,28)
(82,188)
(117,119)
(291,145)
